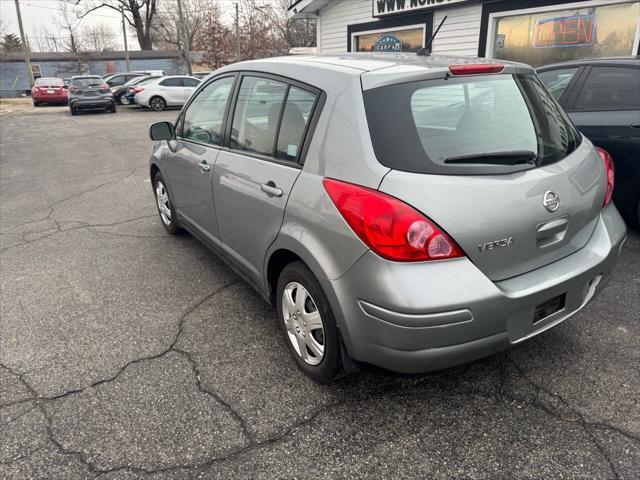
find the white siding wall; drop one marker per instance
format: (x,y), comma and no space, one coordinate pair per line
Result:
(458,36)
(334,19)
(460,33)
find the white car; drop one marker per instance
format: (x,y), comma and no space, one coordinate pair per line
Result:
(170,91)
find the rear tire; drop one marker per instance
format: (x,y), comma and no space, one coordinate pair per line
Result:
(164,204)
(36,104)
(307,322)
(112,108)
(73,110)
(123,99)
(157,104)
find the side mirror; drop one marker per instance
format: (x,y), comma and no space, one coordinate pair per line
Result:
(162,131)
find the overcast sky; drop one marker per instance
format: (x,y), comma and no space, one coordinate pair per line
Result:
(41,13)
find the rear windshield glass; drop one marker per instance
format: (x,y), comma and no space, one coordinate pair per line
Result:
(481,124)
(88,82)
(49,81)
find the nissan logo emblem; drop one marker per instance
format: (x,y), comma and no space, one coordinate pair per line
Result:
(550,201)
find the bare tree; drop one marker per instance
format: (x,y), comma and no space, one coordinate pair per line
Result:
(67,21)
(295,32)
(258,37)
(166,27)
(215,39)
(44,40)
(98,38)
(140,14)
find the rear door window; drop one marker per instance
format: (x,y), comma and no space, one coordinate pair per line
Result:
(610,88)
(474,125)
(190,82)
(295,118)
(257,113)
(172,82)
(558,80)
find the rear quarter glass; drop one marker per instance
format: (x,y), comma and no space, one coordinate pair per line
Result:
(419,126)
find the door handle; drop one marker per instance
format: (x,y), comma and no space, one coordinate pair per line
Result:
(204,166)
(270,189)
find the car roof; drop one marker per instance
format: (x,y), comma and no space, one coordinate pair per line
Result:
(374,69)
(367,62)
(628,60)
(77,77)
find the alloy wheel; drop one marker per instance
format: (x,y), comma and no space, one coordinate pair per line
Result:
(303,323)
(157,104)
(164,207)
(124,100)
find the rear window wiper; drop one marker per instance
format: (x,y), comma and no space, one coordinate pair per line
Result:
(513,157)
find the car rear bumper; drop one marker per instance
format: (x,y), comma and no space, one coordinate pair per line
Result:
(418,317)
(95,102)
(62,98)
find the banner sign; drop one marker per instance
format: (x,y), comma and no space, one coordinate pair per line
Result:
(391,7)
(388,43)
(577,31)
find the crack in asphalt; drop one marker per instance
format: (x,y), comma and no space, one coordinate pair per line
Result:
(56,222)
(581,420)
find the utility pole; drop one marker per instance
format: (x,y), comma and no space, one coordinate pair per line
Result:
(126,45)
(237,33)
(183,38)
(25,45)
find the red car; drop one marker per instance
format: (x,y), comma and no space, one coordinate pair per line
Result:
(49,90)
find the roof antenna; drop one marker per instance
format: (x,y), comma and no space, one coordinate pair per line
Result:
(426,50)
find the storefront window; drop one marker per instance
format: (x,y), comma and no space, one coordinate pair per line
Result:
(400,40)
(556,36)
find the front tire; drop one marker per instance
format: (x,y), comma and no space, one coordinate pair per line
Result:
(157,104)
(165,205)
(73,110)
(308,324)
(36,104)
(112,108)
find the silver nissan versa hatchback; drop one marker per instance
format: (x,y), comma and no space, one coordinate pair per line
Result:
(405,211)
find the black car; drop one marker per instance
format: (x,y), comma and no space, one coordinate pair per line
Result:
(89,92)
(602,97)
(120,92)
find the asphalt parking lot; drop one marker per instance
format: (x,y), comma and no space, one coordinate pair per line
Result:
(127,353)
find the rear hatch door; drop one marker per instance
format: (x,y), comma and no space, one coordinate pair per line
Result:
(494,162)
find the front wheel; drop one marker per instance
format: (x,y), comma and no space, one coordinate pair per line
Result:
(73,110)
(308,324)
(36,104)
(165,206)
(112,108)
(158,104)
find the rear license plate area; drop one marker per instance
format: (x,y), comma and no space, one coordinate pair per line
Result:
(548,308)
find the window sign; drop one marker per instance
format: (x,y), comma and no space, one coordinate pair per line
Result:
(575,31)
(407,39)
(545,37)
(388,43)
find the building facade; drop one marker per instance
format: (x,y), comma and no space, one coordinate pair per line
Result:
(537,32)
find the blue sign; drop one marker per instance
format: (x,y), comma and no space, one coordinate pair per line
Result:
(388,43)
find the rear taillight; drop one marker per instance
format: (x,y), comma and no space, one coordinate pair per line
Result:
(610,169)
(136,89)
(390,227)
(104,86)
(476,68)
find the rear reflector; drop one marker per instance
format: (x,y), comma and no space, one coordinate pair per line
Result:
(476,68)
(390,227)
(610,169)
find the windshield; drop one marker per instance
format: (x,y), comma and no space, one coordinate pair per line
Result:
(88,82)
(474,125)
(49,81)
